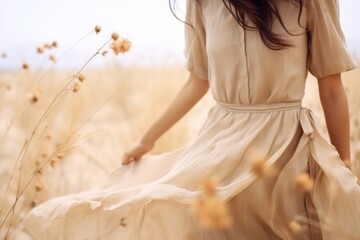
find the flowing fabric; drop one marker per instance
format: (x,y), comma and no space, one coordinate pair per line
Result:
(258,109)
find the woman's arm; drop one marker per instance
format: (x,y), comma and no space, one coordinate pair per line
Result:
(192,91)
(334,102)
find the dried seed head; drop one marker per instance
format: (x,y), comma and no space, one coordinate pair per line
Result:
(81,77)
(34,99)
(76,87)
(39,50)
(115,36)
(123,222)
(40,171)
(208,186)
(39,186)
(35,95)
(295,227)
(54,44)
(52,58)
(104,53)
(121,46)
(25,66)
(47,46)
(115,46)
(126,44)
(213,213)
(97,29)
(60,156)
(304,183)
(53,163)
(33,204)
(48,136)
(258,167)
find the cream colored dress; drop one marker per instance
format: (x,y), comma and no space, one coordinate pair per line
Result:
(258,110)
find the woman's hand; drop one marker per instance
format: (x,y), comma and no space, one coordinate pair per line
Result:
(191,92)
(135,152)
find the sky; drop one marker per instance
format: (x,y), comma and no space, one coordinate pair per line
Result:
(156,35)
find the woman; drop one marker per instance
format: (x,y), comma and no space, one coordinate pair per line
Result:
(255,56)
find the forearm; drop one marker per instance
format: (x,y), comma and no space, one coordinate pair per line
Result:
(336,113)
(192,91)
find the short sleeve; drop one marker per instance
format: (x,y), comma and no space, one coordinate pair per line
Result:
(328,51)
(195,41)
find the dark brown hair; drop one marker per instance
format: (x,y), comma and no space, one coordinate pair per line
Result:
(262,14)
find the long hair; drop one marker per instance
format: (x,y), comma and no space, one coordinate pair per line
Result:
(262,14)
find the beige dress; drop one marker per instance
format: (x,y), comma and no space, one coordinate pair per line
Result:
(258,110)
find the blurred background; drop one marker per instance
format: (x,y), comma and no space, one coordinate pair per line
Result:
(60,135)
(156,34)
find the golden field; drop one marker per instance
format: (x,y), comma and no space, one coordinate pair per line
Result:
(81,138)
(56,141)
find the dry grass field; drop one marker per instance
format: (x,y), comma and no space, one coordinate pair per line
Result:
(84,134)
(53,144)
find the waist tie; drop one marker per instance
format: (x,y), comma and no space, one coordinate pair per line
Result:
(306,117)
(260,108)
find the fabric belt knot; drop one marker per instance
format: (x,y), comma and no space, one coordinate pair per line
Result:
(307,121)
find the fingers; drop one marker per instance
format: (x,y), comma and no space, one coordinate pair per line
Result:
(135,153)
(127,159)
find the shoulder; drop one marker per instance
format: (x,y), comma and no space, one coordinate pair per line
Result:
(194,9)
(322,9)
